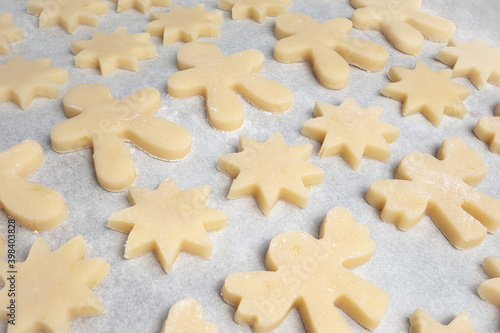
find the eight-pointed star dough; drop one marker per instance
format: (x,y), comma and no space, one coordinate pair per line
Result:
(53,287)
(489,290)
(167,221)
(422,322)
(186,316)
(112,51)
(488,130)
(475,60)
(141,5)
(270,171)
(351,131)
(8,32)
(426,91)
(67,13)
(21,80)
(184,24)
(257,10)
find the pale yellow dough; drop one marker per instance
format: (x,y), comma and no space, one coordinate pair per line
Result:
(270,171)
(186,316)
(112,51)
(53,287)
(422,322)
(167,221)
(351,131)
(313,276)
(100,121)
(257,10)
(488,130)
(9,33)
(327,46)
(141,5)
(441,187)
(489,290)
(32,205)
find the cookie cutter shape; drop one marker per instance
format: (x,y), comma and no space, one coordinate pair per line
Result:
(167,221)
(100,121)
(442,188)
(257,10)
(475,60)
(489,290)
(53,287)
(9,33)
(67,13)
(186,316)
(141,5)
(351,131)
(207,72)
(402,23)
(313,276)
(270,171)
(32,205)
(21,80)
(112,51)
(429,92)
(488,130)
(422,322)
(184,24)
(327,46)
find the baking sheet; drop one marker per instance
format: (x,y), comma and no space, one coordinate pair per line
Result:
(418,268)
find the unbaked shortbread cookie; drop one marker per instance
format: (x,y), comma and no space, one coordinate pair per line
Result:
(257,10)
(184,24)
(206,71)
(327,46)
(351,131)
(422,322)
(112,51)
(441,187)
(141,5)
(186,316)
(21,80)
(475,60)
(313,276)
(167,221)
(9,33)
(488,130)
(423,90)
(402,23)
(32,205)
(270,171)
(489,290)
(100,121)
(53,287)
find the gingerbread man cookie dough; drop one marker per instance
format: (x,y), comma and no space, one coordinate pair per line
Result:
(186,316)
(489,290)
(422,322)
(488,130)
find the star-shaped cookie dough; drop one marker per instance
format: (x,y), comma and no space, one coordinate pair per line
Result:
(422,322)
(351,131)
(9,33)
(489,290)
(112,51)
(488,130)
(270,171)
(67,13)
(257,10)
(141,5)
(167,221)
(21,80)
(475,60)
(426,91)
(52,287)
(186,316)
(184,24)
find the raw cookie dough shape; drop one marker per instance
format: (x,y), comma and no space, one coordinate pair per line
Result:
(351,131)
(186,316)
(488,130)
(53,287)
(257,10)
(141,5)
(429,92)
(207,72)
(100,121)
(313,276)
(112,51)
(21,80)
(422,322)
(167,221)
(67,13)
(34,206)
(476,61)
(9,33)
(270,171)
(489,290)
(441,188)
(184,24)
(327,47)
(402,23)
